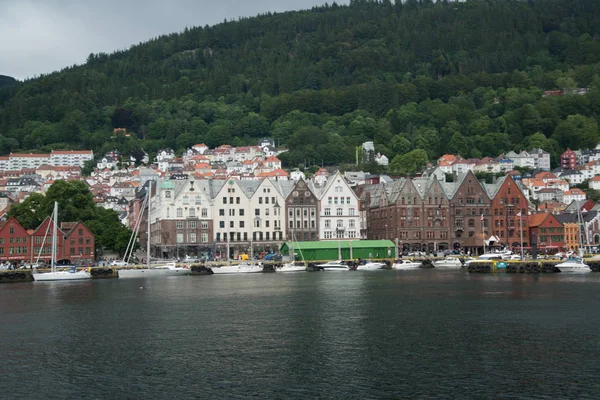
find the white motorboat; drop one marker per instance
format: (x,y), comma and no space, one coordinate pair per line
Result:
(333,266)
(243,268)
(291,267)
(573,264)
(55,275)
(406,264)
(370,266)
(448,262)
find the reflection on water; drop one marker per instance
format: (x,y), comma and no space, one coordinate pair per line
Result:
(356,335)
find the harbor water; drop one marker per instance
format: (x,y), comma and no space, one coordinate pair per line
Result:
(318,335)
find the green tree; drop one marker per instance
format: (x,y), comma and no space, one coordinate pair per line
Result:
(410,162)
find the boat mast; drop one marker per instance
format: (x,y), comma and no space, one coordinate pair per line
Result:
(148,240)
(54,222)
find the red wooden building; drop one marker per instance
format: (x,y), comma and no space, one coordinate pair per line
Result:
(507,205)
(14,242)
(79,243)
(547,231)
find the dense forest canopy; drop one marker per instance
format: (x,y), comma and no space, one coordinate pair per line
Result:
(6,80)
(419,78)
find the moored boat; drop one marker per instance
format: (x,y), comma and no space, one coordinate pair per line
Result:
(243,268)
(448,262)
(406,264)
(573,264)
(55,275)
(370,266)
(333,266)
(291,267)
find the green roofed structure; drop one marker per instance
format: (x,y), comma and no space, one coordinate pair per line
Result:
(342,249)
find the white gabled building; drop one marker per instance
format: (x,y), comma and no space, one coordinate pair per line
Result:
(250,213)
(338,210)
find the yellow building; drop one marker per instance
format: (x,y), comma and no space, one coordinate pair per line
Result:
(572,236)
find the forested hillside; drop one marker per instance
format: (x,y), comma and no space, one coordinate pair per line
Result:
(463,77)
(6,80)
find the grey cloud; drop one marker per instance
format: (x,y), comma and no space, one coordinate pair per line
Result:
(41,36)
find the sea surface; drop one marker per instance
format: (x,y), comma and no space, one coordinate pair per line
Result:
(310,335)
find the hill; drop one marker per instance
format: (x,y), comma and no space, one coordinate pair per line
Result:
(464,77)
(6,80)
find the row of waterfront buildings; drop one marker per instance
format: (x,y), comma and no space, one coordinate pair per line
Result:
(206,218)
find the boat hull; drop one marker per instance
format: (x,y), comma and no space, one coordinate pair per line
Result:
(61,276)
(291,268)
(447,266)
(406,266)
(150,272)
(574,268)
(234,269)
(370,267)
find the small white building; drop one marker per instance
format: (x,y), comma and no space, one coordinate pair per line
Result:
(574,195)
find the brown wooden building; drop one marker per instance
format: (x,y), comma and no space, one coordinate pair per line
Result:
(425,214)
(510,210)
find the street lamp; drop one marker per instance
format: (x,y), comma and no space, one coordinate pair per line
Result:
(385,231)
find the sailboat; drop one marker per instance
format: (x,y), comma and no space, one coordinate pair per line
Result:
(156,269)
(293,266)
(55,275)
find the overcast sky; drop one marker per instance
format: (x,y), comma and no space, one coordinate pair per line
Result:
(41,36)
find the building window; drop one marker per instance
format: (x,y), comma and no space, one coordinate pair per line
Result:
(242,224)
(241,212)
(327,211)
(204,224)
(351,211)
(186,200)
(198,200)
(327,223)
(193,237)
(221,224)
(179,224)
(192,212)
(192,224)
(339,212)
(204,212)
(221,212)
(204,238)
(180,212)
(328,234)
(168,194)
(180,238)
(351,223)
(340,223)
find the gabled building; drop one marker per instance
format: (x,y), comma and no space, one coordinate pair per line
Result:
(302,219)
(79,243)
(509,212)
(546,232)
(14,242)
(182,218)
(338,213)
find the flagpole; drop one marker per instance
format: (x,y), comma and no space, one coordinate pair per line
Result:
(521,224)
(483,231)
